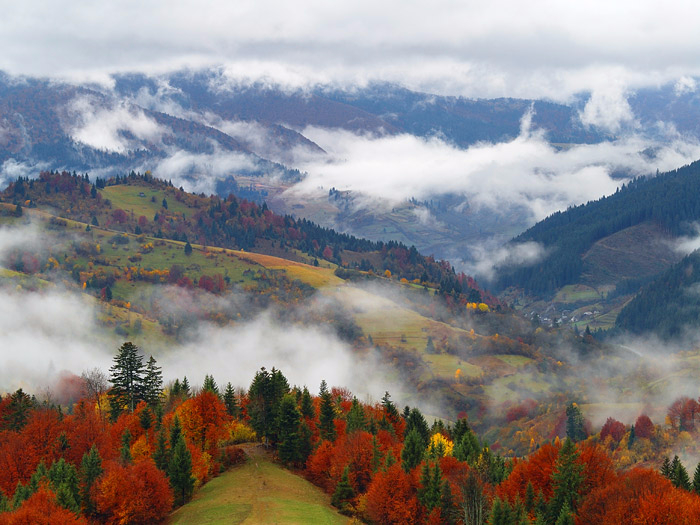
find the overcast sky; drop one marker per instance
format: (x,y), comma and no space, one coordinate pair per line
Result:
(472,48)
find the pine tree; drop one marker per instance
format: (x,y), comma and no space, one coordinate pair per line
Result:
(230,401)
(501,513)
(632,437)
(343,491)
(566,480)
(307,404)
(127,380)
(574,423)
(90,470)
(467,448)
(125,452)
(175,431)
(413,451)
(390,408)
(666,468)
(288,448)
(180,472)
(64,482)
(146,419)
(22,494)
(4,502)
(356,417)
(566,517)
(529,497)
(416,421)
(679,476)
(448,512)
(376,454)
(430,493)
(152,383)
(210,385)
(265,395)
(160,454)
(188,248)
(696,480)
(185,387)
(326,423)
(305,441)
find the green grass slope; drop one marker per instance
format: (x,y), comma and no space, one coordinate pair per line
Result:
(259,491)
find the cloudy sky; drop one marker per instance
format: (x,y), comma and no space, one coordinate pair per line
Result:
(472,48)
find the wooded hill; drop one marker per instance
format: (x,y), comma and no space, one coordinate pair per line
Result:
(232,223)
(669,307)
(670,200)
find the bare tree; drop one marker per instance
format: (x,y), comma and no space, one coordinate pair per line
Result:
(95,386)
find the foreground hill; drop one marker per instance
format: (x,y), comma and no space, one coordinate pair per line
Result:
(258,491)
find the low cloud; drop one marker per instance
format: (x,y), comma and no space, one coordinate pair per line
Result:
(608,108)
(487,257)
(115,127)
(13,168)
(526,171)
(304,354)
(688,244)
(199,172)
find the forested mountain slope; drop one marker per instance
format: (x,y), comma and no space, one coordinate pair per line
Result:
(670,200)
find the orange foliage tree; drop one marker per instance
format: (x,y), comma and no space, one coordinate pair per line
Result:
(137,493)
(391,497)
(41,509)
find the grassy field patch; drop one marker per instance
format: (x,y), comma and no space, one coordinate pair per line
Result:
(259,491)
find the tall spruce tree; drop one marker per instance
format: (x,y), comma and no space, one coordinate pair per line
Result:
(343,491)
(210,385)
(307,404)
(180,472)
(230,401)
(574,423)
(152,383)
(696,480)
(160,454)
(566,480)
(127,378)
(289,447)
(412,452)
(356,417)
(265,395)
(90,470)
(326,424)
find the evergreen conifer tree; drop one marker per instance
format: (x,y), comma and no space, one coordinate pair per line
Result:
(289,445)
(160,454)
(152,383)
(210,385)
(356,417)
(666,468)
(307,404)
(413,451)
(327,414)
(180,472)
(230,401)
(90,470)
(343,491)
(696,480)
(127,376)
(566,480)
(125,452)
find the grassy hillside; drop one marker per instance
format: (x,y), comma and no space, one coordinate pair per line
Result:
(259,491)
